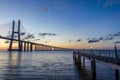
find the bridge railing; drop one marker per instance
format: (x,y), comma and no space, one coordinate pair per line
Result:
(109,57)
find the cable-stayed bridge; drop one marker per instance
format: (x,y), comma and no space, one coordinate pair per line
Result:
(16,32)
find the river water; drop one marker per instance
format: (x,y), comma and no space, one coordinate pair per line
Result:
(47,65)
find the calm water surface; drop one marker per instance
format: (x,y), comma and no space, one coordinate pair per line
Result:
(47,65)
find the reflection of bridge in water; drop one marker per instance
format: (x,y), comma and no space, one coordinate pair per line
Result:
(27,45)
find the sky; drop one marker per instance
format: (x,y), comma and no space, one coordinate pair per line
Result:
(65,23)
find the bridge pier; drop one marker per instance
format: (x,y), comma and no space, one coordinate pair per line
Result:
(54,48)
(83,61)
(27,46)
(12,37)
(46,48)
(21,46)
(38,47)
(24,46)
(117,74)
(117,62)
(35,47)
(43,47)
(31,47)
(50,48)
(77,58)
(93,68)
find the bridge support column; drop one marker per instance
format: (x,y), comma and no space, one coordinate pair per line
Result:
(35,47)
(116,74)
(45,48)
(117,62)
(12,37)
(31,47)
(93,67)
(27,46)
(54,49)
(50,48)
(11,41)
(39,47)
(83,61)
(77,58)
(24,46)
(73,55)
(21,46)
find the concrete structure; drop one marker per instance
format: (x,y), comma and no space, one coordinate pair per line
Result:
(105,59)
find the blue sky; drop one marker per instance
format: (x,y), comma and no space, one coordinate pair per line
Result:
(71,20)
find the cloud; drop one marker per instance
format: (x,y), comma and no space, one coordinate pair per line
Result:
(29,36)
(117,42)
(15,35)
(47,34)
(14,41)
(22,33)
(109,2)
(112,2)
(93,41)
(37,39)
(82,1)
(70,41)
(108,38)
(7,41)
(99,1)
(44,9)
(79,40)
(62,3)
(105,38)
(117,34)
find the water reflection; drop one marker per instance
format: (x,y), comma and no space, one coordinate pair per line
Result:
(13,68)
(38,66)
(48,66)
(83,72)
(14,59)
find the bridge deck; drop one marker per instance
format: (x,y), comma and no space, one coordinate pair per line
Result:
(106,60)
(33,43)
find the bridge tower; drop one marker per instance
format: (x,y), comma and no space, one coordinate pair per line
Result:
(12,37)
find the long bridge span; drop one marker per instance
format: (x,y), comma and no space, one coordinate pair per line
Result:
(27,45)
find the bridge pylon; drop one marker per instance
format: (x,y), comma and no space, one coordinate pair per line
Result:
(12,37)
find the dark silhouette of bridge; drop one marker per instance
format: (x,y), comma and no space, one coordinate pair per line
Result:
(27,45)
